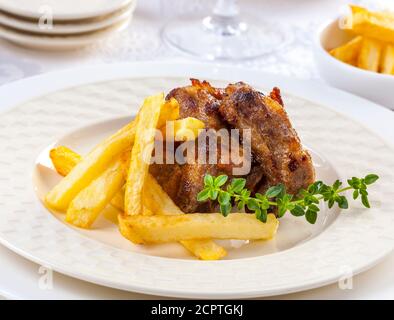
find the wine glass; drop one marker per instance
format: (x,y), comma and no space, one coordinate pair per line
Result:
(223,35)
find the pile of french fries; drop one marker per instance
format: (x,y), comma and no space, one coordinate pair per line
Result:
(372,48)
(116,173)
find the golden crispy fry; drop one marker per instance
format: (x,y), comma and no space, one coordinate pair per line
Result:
(86,206)
(349,52)
(118,200)
(127,231)
(157,200)
(370,54)
(376,25)
(186,129)
(160,229)
(387,66)
(204,249)
(160,203)
(168,112)
(90,167)
(154,197)
(64,159)
(142,152)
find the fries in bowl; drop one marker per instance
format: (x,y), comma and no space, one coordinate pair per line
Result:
(372,46)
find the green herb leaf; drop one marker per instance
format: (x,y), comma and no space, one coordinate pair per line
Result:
(371,178)
(311,216)
(213,194)
(261,215)
(342,202)
(208,180)
(336,185)
(225,209)
(237,184)
(298,211)
(253,204)
(365,201)
(220,180)
(274,191)
(224,197)
(203,195)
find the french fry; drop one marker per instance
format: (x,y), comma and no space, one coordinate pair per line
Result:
(204,249)
(160,229)
(141,153)
(155,198)
(118,200)
(89,168)
(186,129)
(87,205)
(370,54)
(169,112)
(64,159)
(160,203)
(387,66)
(376,25)
(349,52)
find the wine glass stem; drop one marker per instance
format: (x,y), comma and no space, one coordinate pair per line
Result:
(224,20)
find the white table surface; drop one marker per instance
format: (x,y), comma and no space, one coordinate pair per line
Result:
(19,278)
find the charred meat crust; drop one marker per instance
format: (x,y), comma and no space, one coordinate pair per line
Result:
(183,182)
(275,144)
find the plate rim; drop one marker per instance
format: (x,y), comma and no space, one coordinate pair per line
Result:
(66,29)
(71,17)
(133,70)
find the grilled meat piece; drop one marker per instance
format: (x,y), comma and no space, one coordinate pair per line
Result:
(201,101)
(278,156)
(275,144)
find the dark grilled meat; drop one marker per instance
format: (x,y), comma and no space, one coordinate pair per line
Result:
(278,156)
(275,144)
(201,101)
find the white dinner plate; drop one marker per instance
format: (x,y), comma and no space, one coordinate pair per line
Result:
(62,10)
(67,27)
(80,107)
(61,42)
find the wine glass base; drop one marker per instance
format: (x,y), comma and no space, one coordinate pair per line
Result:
(194,37)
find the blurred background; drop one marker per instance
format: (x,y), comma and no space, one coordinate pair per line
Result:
(295,23)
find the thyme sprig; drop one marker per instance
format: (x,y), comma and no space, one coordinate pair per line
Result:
(304,204)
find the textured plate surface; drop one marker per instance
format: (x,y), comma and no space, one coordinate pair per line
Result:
(356,240)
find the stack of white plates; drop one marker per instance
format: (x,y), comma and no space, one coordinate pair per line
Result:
(62,24)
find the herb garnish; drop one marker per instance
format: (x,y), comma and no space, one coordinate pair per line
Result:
(305,204)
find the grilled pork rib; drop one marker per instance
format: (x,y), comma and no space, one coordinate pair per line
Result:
(275,144)
(277,154)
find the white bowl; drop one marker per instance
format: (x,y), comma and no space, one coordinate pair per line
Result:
(373,86)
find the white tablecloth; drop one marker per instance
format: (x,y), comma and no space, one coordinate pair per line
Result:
(141,41)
